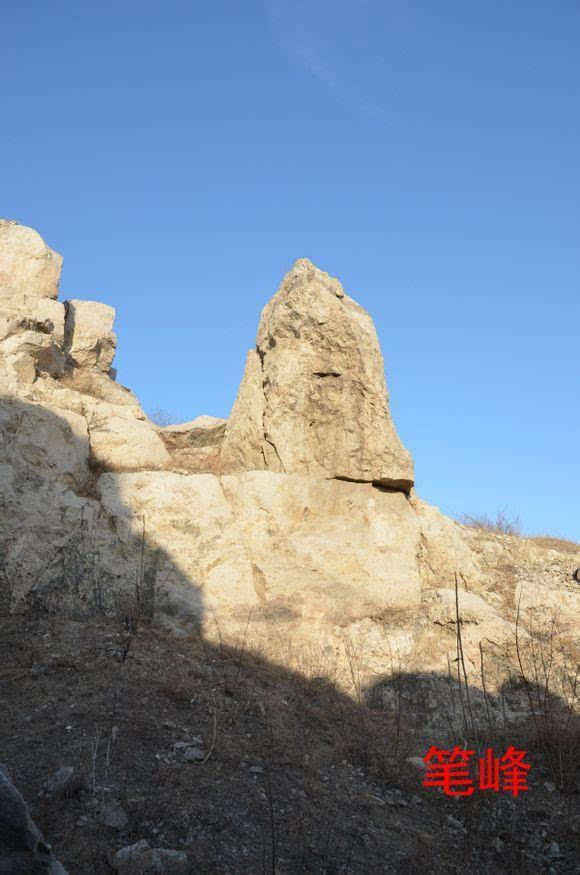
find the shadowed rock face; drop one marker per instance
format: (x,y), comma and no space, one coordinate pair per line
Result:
(313,400)
(22,845)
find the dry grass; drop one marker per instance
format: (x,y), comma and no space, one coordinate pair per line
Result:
(296,775)
(563,545)
(504,524)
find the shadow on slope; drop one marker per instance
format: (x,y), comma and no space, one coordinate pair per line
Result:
(290,774)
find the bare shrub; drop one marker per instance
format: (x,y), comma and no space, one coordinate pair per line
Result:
(502,523)
(552,689)
(162,417)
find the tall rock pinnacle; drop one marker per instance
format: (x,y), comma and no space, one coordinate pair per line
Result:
(313,399)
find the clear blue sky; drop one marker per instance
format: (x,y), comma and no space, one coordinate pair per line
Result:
(181,155)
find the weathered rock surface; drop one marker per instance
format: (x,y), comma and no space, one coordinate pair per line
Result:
(61,354)
(194,446)
(89,337)
(268,544)
(121,440)
(23,848)
(28,267)
(203,431)
(278,520)
(313,399)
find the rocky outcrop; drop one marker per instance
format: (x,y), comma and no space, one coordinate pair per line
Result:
(60,355)
(31,320)
(313,399)
(28,268)
(195,447)
(265,544)
(89,337)
(295,519)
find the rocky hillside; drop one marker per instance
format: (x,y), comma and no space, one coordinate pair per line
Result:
(293,526)
(298,513)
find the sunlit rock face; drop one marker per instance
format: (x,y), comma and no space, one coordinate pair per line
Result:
(294,520)
(313,399)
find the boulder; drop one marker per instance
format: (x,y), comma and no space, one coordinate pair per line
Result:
(137,859)
(194,446)
(89,337)
(23,848)
(63,782)
(314,400)
(142,859)
(28,267)
(121,440)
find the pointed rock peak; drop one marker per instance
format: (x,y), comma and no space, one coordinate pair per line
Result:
(313,399)
(303,271)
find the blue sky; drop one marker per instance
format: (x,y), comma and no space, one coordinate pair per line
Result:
(181,155)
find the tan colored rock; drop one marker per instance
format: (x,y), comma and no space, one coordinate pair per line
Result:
(317,383)
(312,564)
(442,608)
(545,603)
(32,314)
(242,447)
(262,528)
(34,436)
(89,337)
(203,431)
(271,545)
(31,336)
(120,441)
(194,446)
(44,508)
(28,267)
(40,349)
(21,368)
(445,550)
(195,460)
(79,382)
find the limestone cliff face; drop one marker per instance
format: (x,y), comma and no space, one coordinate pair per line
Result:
(276,520)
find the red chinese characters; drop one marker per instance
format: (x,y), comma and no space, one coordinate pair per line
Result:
(451,770)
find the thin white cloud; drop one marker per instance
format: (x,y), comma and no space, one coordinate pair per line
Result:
(289,21)
(293,25)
